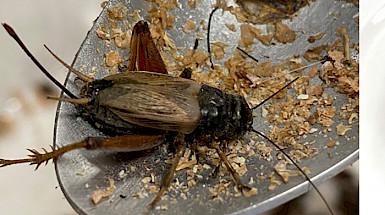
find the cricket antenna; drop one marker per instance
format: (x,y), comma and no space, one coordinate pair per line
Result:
(84,78)
(288,84)
(13,34)
(278,147)
(208,36)
(247,54)
(298,167)
(271,96)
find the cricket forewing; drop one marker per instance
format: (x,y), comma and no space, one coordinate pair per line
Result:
(151,100)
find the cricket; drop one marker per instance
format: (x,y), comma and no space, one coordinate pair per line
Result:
(143,107)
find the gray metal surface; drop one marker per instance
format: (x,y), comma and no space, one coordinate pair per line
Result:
(80,172)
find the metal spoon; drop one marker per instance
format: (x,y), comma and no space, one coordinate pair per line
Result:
(80,172)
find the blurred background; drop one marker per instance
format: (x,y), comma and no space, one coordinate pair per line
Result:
(27,118)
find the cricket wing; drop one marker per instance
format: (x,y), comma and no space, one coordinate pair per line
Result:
(144,55)
(155,101)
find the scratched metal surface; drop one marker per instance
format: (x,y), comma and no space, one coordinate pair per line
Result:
(80,172)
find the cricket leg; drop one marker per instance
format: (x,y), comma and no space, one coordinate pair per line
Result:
(186,73)
(214,174)
(179,140)
(120,143)
(235,175)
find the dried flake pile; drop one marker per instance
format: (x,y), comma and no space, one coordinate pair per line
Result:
(299,115)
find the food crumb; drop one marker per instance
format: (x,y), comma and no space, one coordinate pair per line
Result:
(193,3)
(218,48)
(183,196)
(250,192)
(145,180)
(189,26)
(303,97)
(102,31)
(118,12)
(342,129)
(331,143)
(97,195)
(112,58)
(273,182)
(352,117)
(251,181)
(164,207)
(282,171)
(316,37)
(231,27)
(81,172)
(284,34)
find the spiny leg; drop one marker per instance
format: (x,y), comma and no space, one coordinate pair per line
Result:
(186,73)
(235,175)
(179,140)
(120,143)
(39,158)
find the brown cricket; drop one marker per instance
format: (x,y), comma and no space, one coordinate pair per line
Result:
(142,106)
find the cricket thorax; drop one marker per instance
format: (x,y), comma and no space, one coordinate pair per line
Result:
(223,116)
(91,89)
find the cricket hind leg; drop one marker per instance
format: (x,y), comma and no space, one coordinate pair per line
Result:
(119,143)
(170,142)
(37,158)
(181,147)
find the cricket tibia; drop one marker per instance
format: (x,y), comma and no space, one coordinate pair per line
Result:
(119,143)
(37,158)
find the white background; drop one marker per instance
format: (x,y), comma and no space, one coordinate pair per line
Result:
(372,106)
